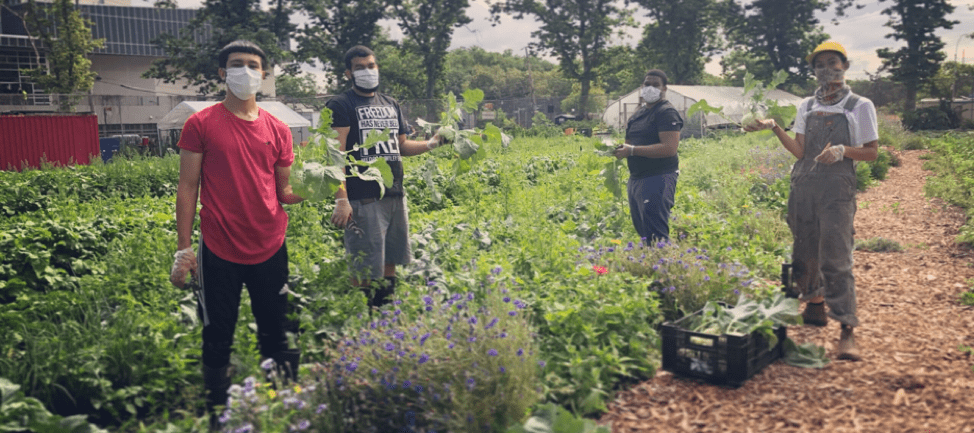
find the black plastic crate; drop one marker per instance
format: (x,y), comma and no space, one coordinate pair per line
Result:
(728,360)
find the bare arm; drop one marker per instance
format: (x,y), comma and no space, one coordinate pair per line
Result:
(285,194)
(667,147)
(868,151)
(415,147)
(187,194)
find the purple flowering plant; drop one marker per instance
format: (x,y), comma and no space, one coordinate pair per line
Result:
(684,277)
(485,374)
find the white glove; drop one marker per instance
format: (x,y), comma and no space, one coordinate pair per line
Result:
(342,214)
(760,125)
(434,142)
(185,263)
(831,154)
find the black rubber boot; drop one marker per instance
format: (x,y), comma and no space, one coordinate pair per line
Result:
(286,362)
(216,381)
(381,295)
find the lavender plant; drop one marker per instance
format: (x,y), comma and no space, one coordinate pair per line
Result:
(463,363)
(684,277)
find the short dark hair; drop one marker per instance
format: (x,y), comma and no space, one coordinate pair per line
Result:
(657,73)
(356,51)
(242,46)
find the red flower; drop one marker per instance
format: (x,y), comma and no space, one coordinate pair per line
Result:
(600,270)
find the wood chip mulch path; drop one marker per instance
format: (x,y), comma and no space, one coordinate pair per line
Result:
(913,378)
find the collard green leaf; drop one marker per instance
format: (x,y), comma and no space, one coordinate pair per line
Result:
(429,170)
(806,355)
(465,147)
(471,99)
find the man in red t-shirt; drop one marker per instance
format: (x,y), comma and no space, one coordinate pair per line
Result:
(238,157)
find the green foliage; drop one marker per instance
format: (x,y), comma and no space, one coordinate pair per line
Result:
(805,355)
(19,413)
(954,182)
(542,126)
(551,418)
(967,298)
(916,23)
(296,86)
(469,145)
(773,35)
(334,26)
(464,362)
(747,316)
(576,31)
(194,60)
(935,118)
(878,245)
(66,35)
(428,26)
(320,167)
(682,39)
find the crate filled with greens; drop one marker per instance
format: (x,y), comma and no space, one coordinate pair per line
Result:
(727,345)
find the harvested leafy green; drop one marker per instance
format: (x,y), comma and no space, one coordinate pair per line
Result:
(552,418)
(749,315)
(469,145)
(806,355)
(319,167)
(610,173)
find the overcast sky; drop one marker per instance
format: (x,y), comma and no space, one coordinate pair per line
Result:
(862,32)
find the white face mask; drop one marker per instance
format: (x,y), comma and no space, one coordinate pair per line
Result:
(367,80)
(650,94)
(243,82)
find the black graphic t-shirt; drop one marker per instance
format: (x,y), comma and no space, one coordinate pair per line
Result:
(362,115)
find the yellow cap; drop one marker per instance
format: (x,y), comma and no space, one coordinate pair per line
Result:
(827,46)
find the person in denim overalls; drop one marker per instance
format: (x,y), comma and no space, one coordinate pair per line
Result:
(833,129)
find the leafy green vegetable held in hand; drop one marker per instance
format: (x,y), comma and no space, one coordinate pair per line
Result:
(469,145)
(319,167)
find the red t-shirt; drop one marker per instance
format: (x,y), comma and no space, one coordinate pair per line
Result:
(241,220)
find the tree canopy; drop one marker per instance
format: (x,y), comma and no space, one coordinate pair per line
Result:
(914,22)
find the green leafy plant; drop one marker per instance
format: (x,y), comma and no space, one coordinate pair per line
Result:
(612,171)
(551,418)
(748,316)
(759,106)
(320,166)
(806,355)
(469,145)
(878,245)
(19,413)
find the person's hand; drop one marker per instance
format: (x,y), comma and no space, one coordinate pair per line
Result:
(434,142)
(760,125)
(831,154)
(624,150)
(342,214)
(185,263)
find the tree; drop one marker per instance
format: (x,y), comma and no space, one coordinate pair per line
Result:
(914,21)
(622,71)
(951,80)
(296,86)
(67,37)
(428,28)
(576,31)
(778,33)
(192,54)
(333,27)
(682,38)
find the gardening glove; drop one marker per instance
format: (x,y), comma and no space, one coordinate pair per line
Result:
(624,150)
(434,142)
(342,214)
(185,263)
(831,154)
(760,125)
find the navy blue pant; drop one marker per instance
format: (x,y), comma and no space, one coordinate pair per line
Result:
(650,201)
(222,283)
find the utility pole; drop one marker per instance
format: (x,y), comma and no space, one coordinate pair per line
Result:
(527,61)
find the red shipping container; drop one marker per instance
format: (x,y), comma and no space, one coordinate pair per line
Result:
(58,139)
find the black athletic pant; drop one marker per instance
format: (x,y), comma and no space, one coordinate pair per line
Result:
(222,284)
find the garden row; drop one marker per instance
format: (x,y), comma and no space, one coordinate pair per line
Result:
(509,299)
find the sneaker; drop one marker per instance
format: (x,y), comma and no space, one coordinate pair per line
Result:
(848,349)
(814,314)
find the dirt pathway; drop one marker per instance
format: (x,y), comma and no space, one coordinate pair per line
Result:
(913,378)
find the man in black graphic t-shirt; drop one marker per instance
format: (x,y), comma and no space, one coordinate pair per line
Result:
(376,228)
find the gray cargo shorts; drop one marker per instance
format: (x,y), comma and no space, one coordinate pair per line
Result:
(378,234)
